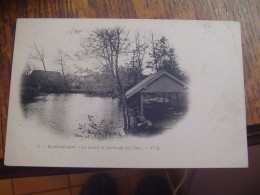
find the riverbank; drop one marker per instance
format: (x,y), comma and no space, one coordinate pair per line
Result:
(87,115)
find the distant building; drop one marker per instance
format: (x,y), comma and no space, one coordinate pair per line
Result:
(47,81)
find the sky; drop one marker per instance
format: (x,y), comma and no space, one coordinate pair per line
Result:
(52,35)
(198,44)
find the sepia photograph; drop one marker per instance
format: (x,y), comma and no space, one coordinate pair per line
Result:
(128,80)
(130,93)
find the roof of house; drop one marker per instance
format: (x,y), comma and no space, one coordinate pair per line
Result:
(149,80)
(41,73)
(46,78)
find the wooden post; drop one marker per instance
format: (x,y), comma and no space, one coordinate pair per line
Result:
(169,95)
(141,108)
(163,97)
(177,100)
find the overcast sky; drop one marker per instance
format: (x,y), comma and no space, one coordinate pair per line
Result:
(67,35)
(197,44)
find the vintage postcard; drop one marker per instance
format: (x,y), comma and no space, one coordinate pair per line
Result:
(127,93)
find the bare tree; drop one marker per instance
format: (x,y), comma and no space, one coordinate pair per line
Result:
(109,44)
(61,60)
(152,52)
(38,54)
(137,59)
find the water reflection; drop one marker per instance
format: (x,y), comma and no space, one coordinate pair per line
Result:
(84,116)
(63,113)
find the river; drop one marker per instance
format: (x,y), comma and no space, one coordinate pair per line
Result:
(77,114)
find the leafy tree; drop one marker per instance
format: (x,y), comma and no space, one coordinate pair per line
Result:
(163,58)
(137,59)
(109,44)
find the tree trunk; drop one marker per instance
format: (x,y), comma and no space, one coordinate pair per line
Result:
(142,108)
(121,91)
(43,65)
(65,80)
(125,118)
(62,71)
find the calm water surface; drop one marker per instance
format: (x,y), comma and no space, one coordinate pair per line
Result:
(64,113)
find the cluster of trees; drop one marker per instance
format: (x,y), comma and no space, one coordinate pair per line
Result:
(38,54)
(121,59)
(110,45)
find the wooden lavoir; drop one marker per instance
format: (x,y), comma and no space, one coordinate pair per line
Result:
(161,82)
